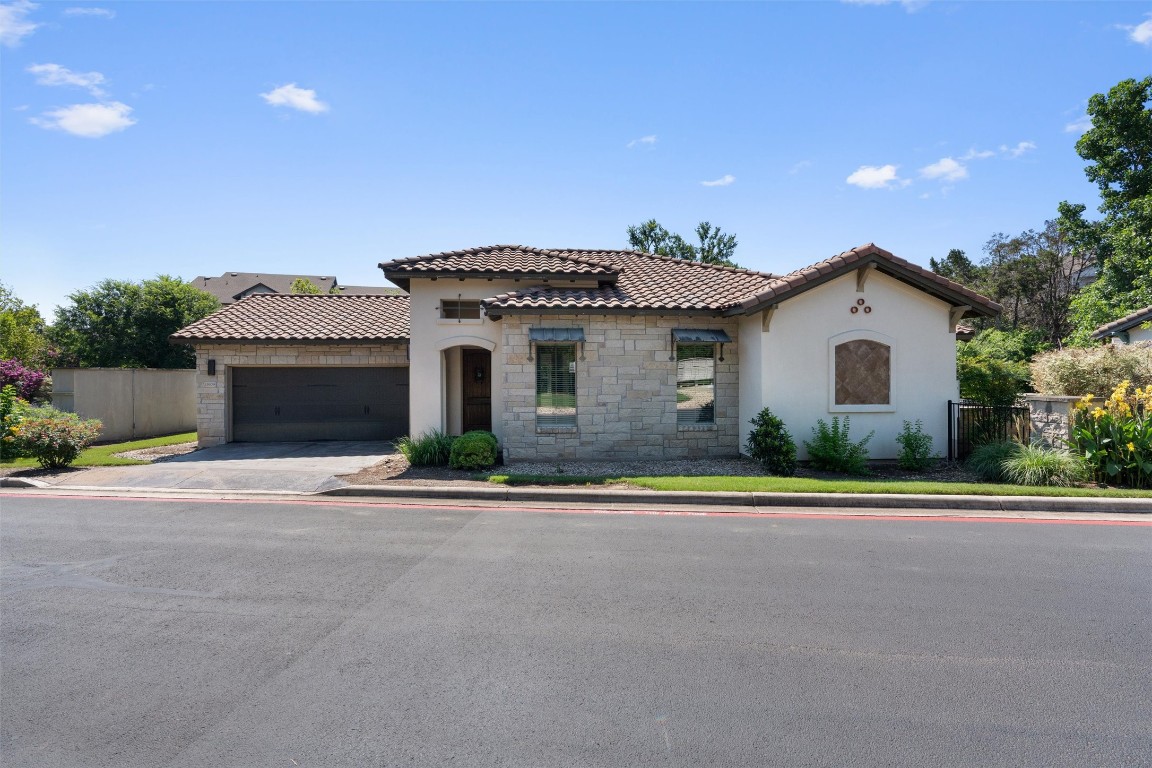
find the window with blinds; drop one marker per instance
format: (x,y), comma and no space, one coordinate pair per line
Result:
(556,385)
(459,309)
(695,383)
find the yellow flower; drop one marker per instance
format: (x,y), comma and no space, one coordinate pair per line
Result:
(1131,447)
(1084,402)
(1097,412)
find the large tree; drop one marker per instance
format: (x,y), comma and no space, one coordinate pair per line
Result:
(22,335)
(121,324)
(715,247)
(1118,148)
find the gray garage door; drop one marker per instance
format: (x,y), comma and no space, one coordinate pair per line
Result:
(297,403)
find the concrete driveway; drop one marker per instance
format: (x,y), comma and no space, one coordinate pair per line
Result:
(294,467)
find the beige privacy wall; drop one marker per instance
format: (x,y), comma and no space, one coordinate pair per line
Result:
(212,392)
(131,402)
(625,392)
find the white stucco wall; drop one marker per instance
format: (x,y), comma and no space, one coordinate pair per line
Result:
(1139,334)
(796,372)
(132,403)
(435,364)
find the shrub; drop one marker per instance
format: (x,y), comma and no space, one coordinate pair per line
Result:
(1115,439)
(473,450)
(1096,369)
(28,383)
(54,438)
(428,449)
(13,410)
(915,447)
(770,444)
(988,380)
(831,449)
(1037,465)
(988,460)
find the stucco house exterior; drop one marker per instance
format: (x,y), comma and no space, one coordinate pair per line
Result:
(1129,329)
(584,354)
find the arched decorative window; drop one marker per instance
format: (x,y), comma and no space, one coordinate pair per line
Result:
(861,370)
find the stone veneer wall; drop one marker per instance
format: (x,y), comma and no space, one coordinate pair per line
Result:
(1051,418)
(212,391)
(625,392)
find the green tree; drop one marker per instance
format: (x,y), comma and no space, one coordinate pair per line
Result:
(121,324)
(22,334)
(956,266)
(1118,148)
(304,285)
(715,247)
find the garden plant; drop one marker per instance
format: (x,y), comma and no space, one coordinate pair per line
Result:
(1115,439)
(771,444)
(831,449)
(473,450)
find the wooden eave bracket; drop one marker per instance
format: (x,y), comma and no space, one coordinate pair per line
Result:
(862,276)
(766,317)
(955,315)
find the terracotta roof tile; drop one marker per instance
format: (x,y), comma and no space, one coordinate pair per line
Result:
(301,317)
(810,276)
(503,259)
(645,282)
(1139,317)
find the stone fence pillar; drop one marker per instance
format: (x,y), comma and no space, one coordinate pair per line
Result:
(1051,417)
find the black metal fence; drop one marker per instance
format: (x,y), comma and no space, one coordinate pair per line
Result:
(971,425)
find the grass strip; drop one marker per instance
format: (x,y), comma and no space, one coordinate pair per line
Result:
(101,455)
(811,485)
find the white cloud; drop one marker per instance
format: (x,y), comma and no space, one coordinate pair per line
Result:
(88,120)
(977,154)
(643,141)
(1022,148)
(14,24)
(1079,125)
(945,169)
(800,166)
(1142,32)
(105,13)
(289,95)
(54,74)
(723,181)
(876,177)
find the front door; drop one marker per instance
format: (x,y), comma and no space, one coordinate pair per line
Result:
(477,389)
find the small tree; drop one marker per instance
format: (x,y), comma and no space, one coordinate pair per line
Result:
(715,246)
(304,285)
(770,443)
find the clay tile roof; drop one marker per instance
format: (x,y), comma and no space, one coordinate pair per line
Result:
(809,277)
(502,260)
(1139,317)
(290,318)
(645,282)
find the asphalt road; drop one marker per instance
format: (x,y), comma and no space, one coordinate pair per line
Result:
(192,633)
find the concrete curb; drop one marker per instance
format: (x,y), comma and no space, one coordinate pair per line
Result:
(22,482)
(740,499)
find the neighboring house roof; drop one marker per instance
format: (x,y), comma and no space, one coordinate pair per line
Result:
(287,318)
(1126,323)
(369,290)
(503,261)
(865,256)
(232,286)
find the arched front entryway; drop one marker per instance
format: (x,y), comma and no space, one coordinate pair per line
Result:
(467,375)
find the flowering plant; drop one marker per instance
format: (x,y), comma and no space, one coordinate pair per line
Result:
(1115,438)
(27,381)
(54,438)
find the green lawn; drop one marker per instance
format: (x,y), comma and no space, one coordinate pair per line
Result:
(101,455)
(811,485)
(555,400)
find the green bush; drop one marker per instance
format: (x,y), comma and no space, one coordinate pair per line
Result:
(13,410)
(428,449)
(831,449)
(988,460)
(1037,465)
(473,450)
(988,380)
(1099,369)
(54,438)
(915,447)
(771,444)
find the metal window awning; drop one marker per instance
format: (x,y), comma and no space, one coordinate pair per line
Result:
(701,335)
(555,334)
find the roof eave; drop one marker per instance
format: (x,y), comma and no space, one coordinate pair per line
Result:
(287,342)
(495,313)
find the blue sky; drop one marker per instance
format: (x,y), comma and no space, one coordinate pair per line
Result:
(193,138)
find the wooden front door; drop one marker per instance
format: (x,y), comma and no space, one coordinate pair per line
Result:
(477,389)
